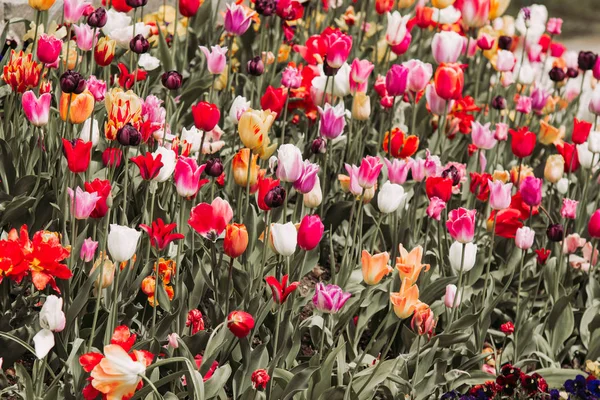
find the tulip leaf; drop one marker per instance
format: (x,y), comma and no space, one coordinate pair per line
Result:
(217,381)
(81,300)
(299,382)
(164,53)
(25,380)
(560,322)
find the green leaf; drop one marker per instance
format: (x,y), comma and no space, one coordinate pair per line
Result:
(556,377)
(81,299)
(164,53)
(326,371)
(217,381)
(25,380)
(299,382)
(561,322)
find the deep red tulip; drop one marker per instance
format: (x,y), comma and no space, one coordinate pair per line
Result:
(507,222)
(160,234)
(206,115)
(274,99)
(568,152)
(542,255)
(264,186)
(439,187)
(149,165)
(310,232)
(449,81)
(240,323)
(78,154)
(281,290)
(189,8)
(523,142)
(118,5)
(103,188)
(480,185)
(581,131)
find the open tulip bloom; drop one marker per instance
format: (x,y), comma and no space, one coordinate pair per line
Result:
(207,203)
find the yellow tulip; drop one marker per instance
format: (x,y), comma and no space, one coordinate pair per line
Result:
(253,127)
(497,8)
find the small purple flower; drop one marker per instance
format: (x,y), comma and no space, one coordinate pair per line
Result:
(307,180)
(330,299)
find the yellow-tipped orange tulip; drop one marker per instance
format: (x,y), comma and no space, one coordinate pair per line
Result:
(375,267)
(409,264)
(405,300)
(81,106)
(239,166)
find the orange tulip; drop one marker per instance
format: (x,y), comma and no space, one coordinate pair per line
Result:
(403,145)
(423,320)
(41,5)
(148,286)
(550,134)
(449,81)
(375,267)
(81,106)
(240,168)
(405,300)
(344,182)
(236,240)
(409,264)
(442,3)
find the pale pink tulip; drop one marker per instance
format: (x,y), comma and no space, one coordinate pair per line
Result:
(82,203)
(37,110)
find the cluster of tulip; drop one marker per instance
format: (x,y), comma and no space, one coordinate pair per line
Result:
(176,166)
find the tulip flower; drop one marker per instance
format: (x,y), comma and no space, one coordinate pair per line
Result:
(240,165)
(332,120)
(482,136)
(41,5)
(447,46)
(456,259)
(253,128)
(260,378)
(160,234)
(308,178)
(187,176)
(149,165)
(500,194)
(103,189)
(216,59)
(449,81)
(361,107)
(531,191)
(419,75)
(52,319)
(437,104)
(37,110)
(21,72)
(88,249)
(74,9)
(570,155)
(396,80)
(409,263)
(360,70)
(310,232)
(210,220)
(375,267)
(189,8)
(369,170)
(274,100)
(397,170)
(82,203)
(554,169)
(238,107)
(391,196)
(423,320)
(85,37)
(48,48)
(581,131)
(437,186)
(236,240)
(461,224)
(405,301)
(329,299)
(396,28)
(435,208)
(313,198)
(523,142)
(77,154)
(289,163)
(281,290)
(283,238)
(594,225)
(569,208)
(450,295)
(402,145)
(206,115)
(240,323)
(337,47)
(237,20)
(524,238)
(122,242)
(80,109)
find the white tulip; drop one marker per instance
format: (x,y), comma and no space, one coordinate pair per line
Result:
(289,163)
(314,198)
(52,319)
(562,186)
(85,132)
(122,242)
(594,142)
(169,160)
(284,238)
(238,107)
(390,197)
(193,136)
(456,253)
(148,62)
(585,156)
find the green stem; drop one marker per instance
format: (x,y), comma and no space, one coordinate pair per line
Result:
(517,326)
(459,286)
(490,255)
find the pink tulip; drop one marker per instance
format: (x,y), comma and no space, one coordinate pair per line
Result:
(338,45)
(397,169)
(447,46)
(37,110)
(436,103)
(531,191)
(485,41)
(501,132)
(475,13)
(236,20)
(554,26)
(417,169)
(329,299)
(572,243)
(82,203)
(419,75)
(332,120)
(569,209)
(396,80)
(524,238)
(450,295)
(500,194)
(402,47)
(505,61)
(310,232)
(49,48)
(74,9)
(435,208)
(88,249)
(97,87)
(368,172)
(594,105)
(539,98)
(524,105)
(461,224)
(482,136)
(596,70)
(84,37)
(187,176)
(291,77)
(289,163)
(216,59)
(355,188)
(360,70)
(308,179)
(594,225)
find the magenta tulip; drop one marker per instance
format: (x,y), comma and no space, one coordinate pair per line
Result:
(531,191)
(396,80)
(187,176)
(37,110)
(368,172)
(310,232)
(48,49)
(461,224)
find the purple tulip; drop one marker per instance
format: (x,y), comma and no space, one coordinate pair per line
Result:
(330,299)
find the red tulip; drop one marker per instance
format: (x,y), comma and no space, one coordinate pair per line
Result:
(102,187)
(274,99)
(282,290)
(189,8)
(439,187)
(78,154)
(148,165)
(449,81)
(111,157)
(523,142)
(568,152)
(118,5)
(507,222)
(383,6)
(542,255)
(206,116)
(240,323)
(310,232)
(581,131)
(160,234)
(480,185)
(264,186)
(210,220)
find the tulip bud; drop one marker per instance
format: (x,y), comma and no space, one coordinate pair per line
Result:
(255,66)
(240,323)
(361,107)
(266,7)
(149,285)
(275,197)
(72,82)
(319,146)
(108,272)
(572,72)
(171,80)
(260,377)
(499,103)
(139,44)
(98,18)
(88,249)
(554,169)
(455,256)
(450,295)
(129,136)
(111,157)
(555,232)
(557,74)
(214,167)
(136,3)
(508,328)
(314,198)
(586,60)
(594,225)
(452,173)
(524,238)
(104,52)
(505,42)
